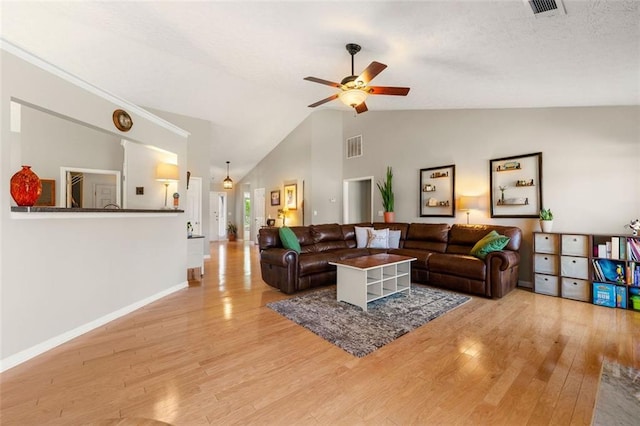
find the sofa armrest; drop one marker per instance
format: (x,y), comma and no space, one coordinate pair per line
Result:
(279,269)
(502,260)
(278,256)
(502,272)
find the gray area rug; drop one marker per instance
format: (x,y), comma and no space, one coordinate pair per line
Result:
(358,332)
(618,401)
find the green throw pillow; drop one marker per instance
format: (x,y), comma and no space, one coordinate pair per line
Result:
(289,239)
(490,242)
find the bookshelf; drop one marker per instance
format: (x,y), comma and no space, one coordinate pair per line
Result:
(615,271)
(601,269)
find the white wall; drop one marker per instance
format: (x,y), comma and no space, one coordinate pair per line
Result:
(590,166)
(62,275)
(289,162)
(198,157)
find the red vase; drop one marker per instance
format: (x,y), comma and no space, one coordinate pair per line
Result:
(25,187)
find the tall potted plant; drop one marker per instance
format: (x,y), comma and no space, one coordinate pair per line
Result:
(386,191)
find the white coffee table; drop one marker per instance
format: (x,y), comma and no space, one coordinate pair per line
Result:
(367,278)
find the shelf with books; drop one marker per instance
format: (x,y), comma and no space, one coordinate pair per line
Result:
(615,266)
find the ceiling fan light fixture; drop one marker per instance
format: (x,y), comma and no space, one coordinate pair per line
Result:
(353,97)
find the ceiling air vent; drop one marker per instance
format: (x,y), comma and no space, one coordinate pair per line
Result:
(354,147)
(546,7)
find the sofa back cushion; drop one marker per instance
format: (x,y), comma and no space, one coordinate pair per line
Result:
(396,226)
(269,238)
(327,237)
(427,236)
(462,238)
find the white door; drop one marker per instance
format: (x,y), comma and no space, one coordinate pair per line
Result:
(218,214)
(194,204)
(258,210)
(103,195)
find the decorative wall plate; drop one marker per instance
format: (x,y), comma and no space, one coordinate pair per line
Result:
(122,120)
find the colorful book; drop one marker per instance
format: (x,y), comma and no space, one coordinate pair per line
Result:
(633,252)
(621,297)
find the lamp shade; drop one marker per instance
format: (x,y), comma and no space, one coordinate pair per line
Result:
(469,202)
(353,97)
(167,172)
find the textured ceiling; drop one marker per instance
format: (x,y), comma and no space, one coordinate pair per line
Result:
(241,64)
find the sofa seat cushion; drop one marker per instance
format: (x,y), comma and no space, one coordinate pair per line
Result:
(420,255)
(350,253)
(313,263)
(458,264)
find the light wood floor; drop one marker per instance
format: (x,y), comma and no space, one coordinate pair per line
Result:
(214,354)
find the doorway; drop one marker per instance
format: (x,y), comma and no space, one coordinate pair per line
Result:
(194,204)
(218,216)
(246,229)
(258,210)
(358,200)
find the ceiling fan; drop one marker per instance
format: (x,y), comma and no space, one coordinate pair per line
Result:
(353,89)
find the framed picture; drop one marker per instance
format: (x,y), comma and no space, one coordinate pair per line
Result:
(516,186)
(275,198)
(291,196)
(437,191)
(48,196)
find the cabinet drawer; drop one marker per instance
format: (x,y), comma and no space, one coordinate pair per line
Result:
(545,263)
(546,243)
(576,289)
(546,284)
(575,267)
(575,245)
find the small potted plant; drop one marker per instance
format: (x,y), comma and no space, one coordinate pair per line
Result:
(546,220)
(189,229)
(232,231)
(386,191)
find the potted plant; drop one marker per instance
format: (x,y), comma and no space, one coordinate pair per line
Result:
(232,231)
(386,191)
(546,220)
(189,229)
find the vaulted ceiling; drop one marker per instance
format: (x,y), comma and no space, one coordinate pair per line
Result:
(241,64)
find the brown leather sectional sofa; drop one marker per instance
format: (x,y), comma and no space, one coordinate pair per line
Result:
(442,254)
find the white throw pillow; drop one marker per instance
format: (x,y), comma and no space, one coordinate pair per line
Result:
(362,236)
(394,239)
(378,238)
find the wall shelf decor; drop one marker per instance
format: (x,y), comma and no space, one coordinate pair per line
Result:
(437,190)
(516,186)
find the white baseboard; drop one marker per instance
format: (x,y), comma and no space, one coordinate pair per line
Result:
(27,354)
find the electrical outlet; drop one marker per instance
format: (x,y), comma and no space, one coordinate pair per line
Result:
(380,213)
(139,190)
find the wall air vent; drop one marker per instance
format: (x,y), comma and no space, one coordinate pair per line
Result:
(545,7)
(354,147)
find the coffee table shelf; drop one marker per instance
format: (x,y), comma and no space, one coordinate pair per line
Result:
(364,279)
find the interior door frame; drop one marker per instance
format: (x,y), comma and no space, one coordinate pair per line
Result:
(346,198)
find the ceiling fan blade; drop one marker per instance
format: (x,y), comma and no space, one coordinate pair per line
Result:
(321,81)
(362,108)
(324,101)
(382,90)
(370,72)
